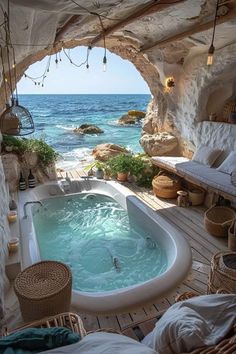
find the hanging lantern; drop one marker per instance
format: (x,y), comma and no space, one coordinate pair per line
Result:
(16,120)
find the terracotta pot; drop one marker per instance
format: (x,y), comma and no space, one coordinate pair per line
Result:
(122,176)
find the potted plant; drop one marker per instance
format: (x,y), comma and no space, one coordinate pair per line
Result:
(121,166)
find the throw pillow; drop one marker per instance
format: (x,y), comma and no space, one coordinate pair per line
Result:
(194,323)
(206,155)
(229,164)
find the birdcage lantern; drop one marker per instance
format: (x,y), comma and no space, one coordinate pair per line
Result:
(16,120)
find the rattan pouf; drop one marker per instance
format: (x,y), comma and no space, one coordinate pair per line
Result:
(43,289)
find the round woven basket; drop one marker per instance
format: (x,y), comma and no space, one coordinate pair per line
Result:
(222,278)
(44,289)
(166,186)
(217,220)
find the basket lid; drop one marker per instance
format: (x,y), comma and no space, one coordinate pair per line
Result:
(42,280)
(165,180)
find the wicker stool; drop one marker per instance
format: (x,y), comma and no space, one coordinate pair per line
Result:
(43,289)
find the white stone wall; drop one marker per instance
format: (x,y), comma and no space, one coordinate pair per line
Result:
(4,236)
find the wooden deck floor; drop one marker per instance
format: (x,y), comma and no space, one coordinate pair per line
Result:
(189,221)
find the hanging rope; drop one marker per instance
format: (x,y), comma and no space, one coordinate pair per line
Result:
(4,76)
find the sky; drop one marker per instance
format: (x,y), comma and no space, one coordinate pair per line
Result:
(120,77)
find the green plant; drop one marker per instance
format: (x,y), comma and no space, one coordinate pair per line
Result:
(46,153)
(18,144)
(120,163)
(137,166)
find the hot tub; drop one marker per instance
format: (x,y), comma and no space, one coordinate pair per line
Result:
(177,253)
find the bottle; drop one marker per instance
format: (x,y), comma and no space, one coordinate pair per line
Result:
(22,184)
(31,180)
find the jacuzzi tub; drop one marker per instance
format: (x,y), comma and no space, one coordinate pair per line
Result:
(177,249)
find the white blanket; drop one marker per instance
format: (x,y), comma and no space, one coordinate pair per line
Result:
(190,324)
(104,343)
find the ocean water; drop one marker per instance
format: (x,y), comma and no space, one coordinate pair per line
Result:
(55,117)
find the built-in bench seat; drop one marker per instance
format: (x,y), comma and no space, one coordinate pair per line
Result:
(206,177)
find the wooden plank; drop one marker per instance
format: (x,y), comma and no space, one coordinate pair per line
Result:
(138,315)
(200,267)
(150,310)
(90,322)
(147,326)
(130,333)
(124,320)
(108,321)
(162,305)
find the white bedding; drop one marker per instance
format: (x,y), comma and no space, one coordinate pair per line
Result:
(197,322)
(104,343)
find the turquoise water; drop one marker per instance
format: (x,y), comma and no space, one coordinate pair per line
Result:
(56,116)
(92,234)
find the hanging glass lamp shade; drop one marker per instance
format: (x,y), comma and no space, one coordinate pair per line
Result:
(16,120)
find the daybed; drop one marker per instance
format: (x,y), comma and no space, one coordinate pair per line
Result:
(209,178)
(193,321)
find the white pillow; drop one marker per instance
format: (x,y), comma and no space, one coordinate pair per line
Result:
(194,323)
(206,155)
(229,164)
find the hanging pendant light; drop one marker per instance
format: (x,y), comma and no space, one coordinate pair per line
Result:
(15,119)
(211,49)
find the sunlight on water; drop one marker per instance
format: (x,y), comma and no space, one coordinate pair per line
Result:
(92,234)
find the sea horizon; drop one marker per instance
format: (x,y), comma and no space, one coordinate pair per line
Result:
(57,115)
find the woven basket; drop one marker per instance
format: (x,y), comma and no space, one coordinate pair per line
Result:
(166,186)
(196,196)
(232,236)
(44,289)
(222,278)
(217,220)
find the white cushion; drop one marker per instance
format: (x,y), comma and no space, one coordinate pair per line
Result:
(229,164)
(197,322)
(206,155)
(209,176)
(104,343)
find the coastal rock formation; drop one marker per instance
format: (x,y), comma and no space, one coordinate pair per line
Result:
(88,129)
(159,144)
(12,170)
(103,152)
(13,164)
(131,118)
(127,120)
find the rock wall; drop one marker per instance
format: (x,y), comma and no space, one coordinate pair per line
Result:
(4,237)
(198,92)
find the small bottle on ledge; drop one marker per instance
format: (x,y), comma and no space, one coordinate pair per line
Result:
(22,184)
(31,180)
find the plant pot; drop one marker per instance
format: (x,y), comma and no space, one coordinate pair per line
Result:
(122,176)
